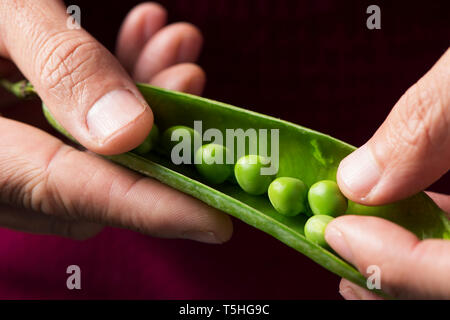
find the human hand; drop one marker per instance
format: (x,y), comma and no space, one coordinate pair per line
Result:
(408,152)
(49,187)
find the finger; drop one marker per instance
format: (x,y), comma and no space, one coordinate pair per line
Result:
(139,26)
(409,268)
(176,43)
(410,150)
(351,291)
(442,200)
(84,86)
(184,77)
(33,222)
(38,172)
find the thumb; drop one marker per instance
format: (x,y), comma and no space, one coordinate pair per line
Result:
(80,81)
(407,267)
(410,150)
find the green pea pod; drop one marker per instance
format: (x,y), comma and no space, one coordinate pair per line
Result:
(303,153)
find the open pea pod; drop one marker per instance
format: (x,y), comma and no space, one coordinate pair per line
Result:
(303,153)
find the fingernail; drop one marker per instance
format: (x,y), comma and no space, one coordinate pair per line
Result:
(359,172)
(202,236)
(112,112)
(336,240)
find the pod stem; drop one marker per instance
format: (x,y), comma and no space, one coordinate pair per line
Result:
(22,89)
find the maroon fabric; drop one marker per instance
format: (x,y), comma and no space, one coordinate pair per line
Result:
(311,62)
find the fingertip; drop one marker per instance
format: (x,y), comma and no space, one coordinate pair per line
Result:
(118,124)
(350,291)
(442,200)
(130,136)
(184,77)
(409,151)
(177,43)
(198,80)
(150,16)
(140,24)
(192,42)
(366,240)
(224,230)
(150,5)
(346,290)
(358,174)
(366,229)
(212,226)
(336,238)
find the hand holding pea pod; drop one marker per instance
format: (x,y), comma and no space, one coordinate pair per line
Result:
(49,187)
(111,139)
(409,151)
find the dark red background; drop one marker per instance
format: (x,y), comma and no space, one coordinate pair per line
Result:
(310,62)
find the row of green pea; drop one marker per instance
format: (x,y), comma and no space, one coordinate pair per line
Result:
(289,196)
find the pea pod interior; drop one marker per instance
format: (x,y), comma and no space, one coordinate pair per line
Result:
(303,153)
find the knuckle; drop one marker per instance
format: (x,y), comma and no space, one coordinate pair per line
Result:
(17,186)
(66,62)
(24,184)
(83,201)
(33,187)
(46,196)
(420,118)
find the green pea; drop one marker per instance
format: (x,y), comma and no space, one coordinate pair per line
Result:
(168,144)
(315,229)
(210,161)
(325,198)
(248,174)
(149,142)
(288,195)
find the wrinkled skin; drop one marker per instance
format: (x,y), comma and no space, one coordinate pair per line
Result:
(71,72)
(406,154)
